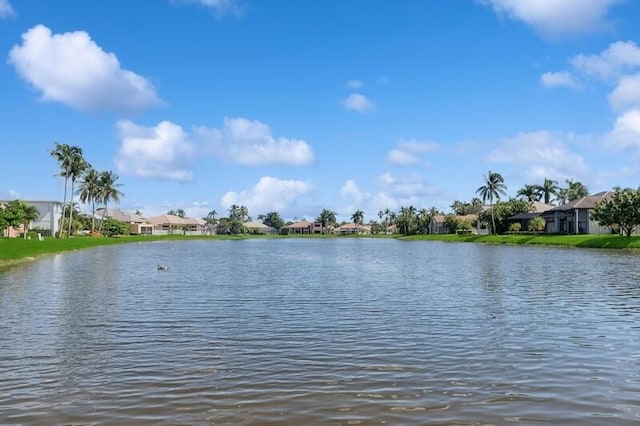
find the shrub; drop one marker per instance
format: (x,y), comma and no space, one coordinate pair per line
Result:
(515,227)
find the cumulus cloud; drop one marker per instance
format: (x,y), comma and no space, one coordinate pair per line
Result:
(6,10)
(618,59)
(359,103)
(397,191)
(626,94)
(163,151)
(408,152)
(351,191)
(269,194)
(626,132)
(72,69)
(544,154)
(558,79)
(558,17)
(250,142)
(220,7)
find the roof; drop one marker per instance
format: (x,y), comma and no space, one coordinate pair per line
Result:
(350,226)
(256,225)
(538,207)
(301,224)
(587,202)
(175,220)
(120,215)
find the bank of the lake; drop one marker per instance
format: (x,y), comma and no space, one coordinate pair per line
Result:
(17,250)
(581,241)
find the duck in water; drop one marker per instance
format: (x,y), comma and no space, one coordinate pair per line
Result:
(162,267)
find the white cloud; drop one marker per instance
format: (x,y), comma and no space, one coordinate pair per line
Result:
(395,192)
(351,190)
(269,194)
(557,17)
(218,6)
(163,151)
(619,58)
(402,158)
(544,154)
(250,142)
(626,132)
(354,84)
(72,69)
(558,79)
(626,94)
(6,10)
(359,103)
(409,151)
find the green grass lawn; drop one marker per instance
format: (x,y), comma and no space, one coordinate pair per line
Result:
(585,241)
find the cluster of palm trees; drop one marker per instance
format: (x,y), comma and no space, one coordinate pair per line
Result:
(94,186)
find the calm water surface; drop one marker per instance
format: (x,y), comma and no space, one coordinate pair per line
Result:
(322,331)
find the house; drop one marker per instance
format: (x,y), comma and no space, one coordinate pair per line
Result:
(259,228)
(352,229)
(171,224)
(305,227)
(537,208)
(438,225)
(301,227)
(574,217)
(47,224)
(137,224)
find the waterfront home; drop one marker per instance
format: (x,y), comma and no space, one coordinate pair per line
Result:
(537,209)
(48,222)
(171,224)
(574,217)
(137,224)
(352,229)
(259,228)
(438,225)
(305,227)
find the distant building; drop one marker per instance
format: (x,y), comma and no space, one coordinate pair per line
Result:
(47,224)
(137,224)
(574,217)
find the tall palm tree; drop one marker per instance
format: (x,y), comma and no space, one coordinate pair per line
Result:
(357,217)
(89,191)
(64,155)
(547,189)
(326,218)
(530,192)
(492,189)
(108,191)
(76,169)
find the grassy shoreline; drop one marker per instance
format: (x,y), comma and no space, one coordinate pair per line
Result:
(14,251)
(578,241)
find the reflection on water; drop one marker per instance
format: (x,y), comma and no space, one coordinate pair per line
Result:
(336,331)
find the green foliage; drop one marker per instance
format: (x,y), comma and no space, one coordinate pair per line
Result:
(537,224)
(272,219)
(515,227)
(502,211)
(621,210)
(112,227)
(284,231)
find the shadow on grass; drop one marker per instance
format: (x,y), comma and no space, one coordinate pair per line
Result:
(615,242)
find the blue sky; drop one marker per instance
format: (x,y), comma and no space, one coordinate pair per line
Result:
(300,105)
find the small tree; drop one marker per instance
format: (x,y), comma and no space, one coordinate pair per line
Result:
(537,224)
(515,227)
(622,209)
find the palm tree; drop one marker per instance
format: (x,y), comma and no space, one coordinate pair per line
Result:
(357,217)
(530,192)
(492,189)
(29,214)
(76,168)
(64,155)
(89,191)
(326,218)
(108,191)
(406,218)
(547,189)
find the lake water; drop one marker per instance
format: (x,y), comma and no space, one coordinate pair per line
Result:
(322,331)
